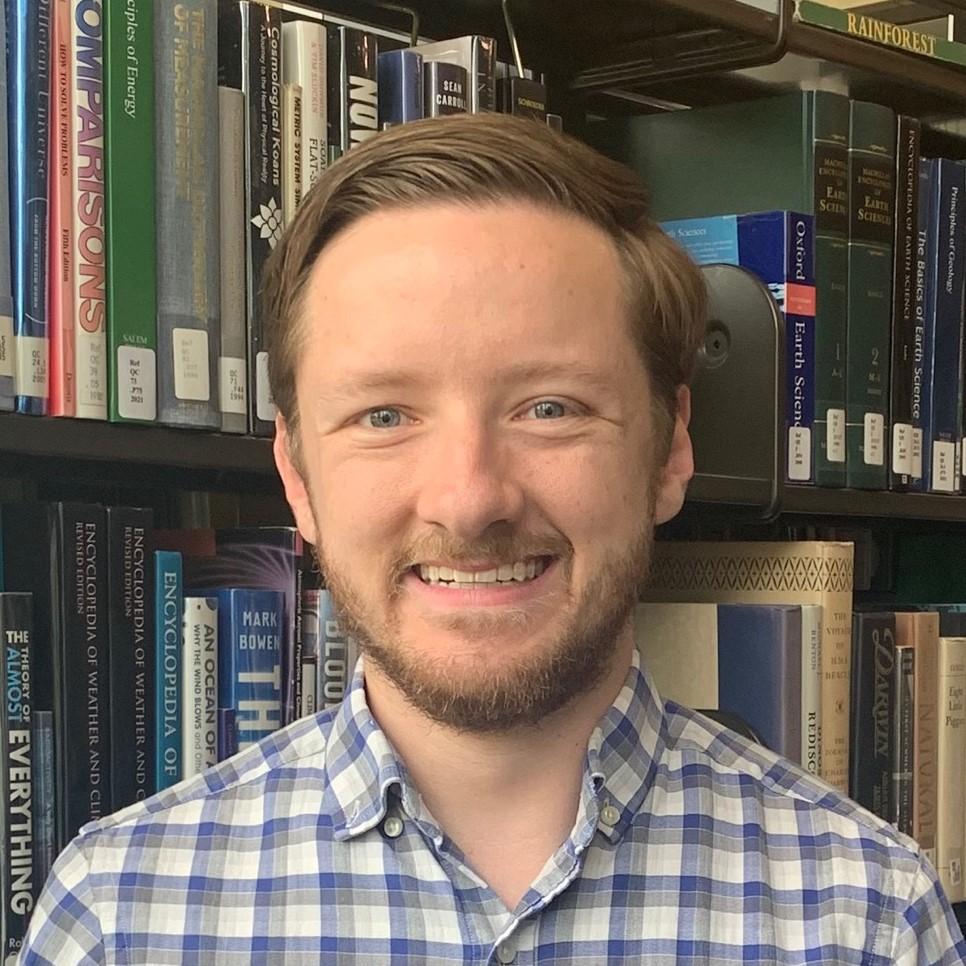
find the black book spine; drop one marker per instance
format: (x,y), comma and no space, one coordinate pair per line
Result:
(45,794)
(523,97)
(870,759)
(903,738)
(81,693)
(19,883)
(904,421)
(358,94)
(445,89)
(131,653)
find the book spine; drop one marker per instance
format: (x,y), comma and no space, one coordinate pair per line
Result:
(130,223)
(523,97)
(45,795)
(945,429)
(830,167)
(18,880)
(483,71)
(304,48)
(811,753)
(358,91)
(906,433)
(81,669)
(871,709)
(309,623)
(871,221)
(62,377)
(338,655)
(951,767)
(188,288)
(169,609)
(903,738)
(924,308)
(291,150)
(444,88)
(7,365)
(926,728)
(232,362)
(87,202)
(29,68)
(227,733)
(199,684)
(131,653)
(400,75)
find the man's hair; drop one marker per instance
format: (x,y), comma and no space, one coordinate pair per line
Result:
(475,159)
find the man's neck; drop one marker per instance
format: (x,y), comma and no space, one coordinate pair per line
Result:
(509,800)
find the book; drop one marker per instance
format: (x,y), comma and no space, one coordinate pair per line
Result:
(778,247)
(444,88)
(19,885)
(400,75)
(250,60)
(199,684)
(131,653)
(353,97)
(903,738)
(130,232)
(291,150)
(169,612)
(28,71)
(804,572)
(477,56)
(523,97)
(920,631)
(872,147)
(304,48)
(310,628)
(7,366)
(924,309)
(87,200)
(45,794)
(186,185)
(812,620)
(233,357)
(250,624)
(338,654)
(872,711)
(786,152)
(62,399)
(951,767)
(753,651)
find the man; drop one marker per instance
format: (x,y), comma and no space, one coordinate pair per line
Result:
(480,353)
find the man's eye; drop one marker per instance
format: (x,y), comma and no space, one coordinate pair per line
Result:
(548,409)
(383,418)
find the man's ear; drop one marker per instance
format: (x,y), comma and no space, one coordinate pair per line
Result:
(296,490)
(672,481)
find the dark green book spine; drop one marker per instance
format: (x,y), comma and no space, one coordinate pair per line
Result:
(129,162)
(871,227)
(830,137)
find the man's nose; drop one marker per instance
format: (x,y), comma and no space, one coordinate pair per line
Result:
(468,481)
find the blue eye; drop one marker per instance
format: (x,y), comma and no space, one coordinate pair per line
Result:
(549,409)
(384,418)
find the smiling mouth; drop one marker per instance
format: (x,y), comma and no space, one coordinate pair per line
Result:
(517,572)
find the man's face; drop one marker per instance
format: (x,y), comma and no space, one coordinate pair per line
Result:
(478,470)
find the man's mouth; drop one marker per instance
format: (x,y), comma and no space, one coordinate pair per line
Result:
(515,572)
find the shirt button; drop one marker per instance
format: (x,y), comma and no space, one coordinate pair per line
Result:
(610,815)
(393,826)
(505,953)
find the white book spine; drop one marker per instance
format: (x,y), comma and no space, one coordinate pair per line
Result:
(199,682)
(87,148)
(812,616)
(951,771)
(304,63)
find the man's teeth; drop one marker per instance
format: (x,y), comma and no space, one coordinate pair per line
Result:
(519,571)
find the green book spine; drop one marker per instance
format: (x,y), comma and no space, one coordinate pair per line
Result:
(830,140)
(871,228)
(129,163)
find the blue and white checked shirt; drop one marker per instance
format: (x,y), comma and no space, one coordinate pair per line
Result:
(690,846)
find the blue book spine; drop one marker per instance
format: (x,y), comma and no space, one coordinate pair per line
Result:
(925,308)
(7,390)
(250,629)
(400,75)
(778,247)
(947,265)
(28,104)
(169,607)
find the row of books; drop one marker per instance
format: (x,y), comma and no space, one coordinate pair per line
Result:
(131,266)
(136,657)
(769,632)
(861,239)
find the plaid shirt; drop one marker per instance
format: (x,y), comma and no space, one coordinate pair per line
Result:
(691,846)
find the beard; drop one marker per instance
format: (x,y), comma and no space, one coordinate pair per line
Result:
(482,699)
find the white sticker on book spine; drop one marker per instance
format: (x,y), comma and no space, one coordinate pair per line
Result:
(799,454)
(917,454)
(835,435)
(873,450)
(191,382)
(6,346)
(137,396)
(31,366)
(232,387)
(945,479)
(264,402)
(902,449)
(90,356)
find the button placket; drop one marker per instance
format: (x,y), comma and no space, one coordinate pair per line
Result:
(392,826)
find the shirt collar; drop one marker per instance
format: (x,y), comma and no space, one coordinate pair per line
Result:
(622,756)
